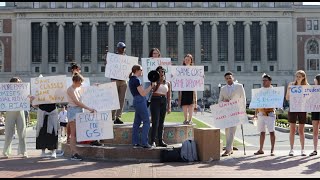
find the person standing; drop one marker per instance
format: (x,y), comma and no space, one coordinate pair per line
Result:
(301,79)
(63,120)
(315,116)
(160,105)
(261,114)
(231,91)
(187,99)
(140,106)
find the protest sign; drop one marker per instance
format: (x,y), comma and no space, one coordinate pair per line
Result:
(14,96)
(102,97)
(187,78)
(119,66)
(305,98)
(267,97)
(94,126)
(229,114)
(50,89)
(149,64)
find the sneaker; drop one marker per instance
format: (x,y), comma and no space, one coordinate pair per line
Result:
(59,153)
(162,144)
(54,154)
(117,121)
(43,154)
(95,143)
(76,157)
(291,153)
(135,146)
(147,146)
(303,153)
(25,155)
(190,122)
(154,145)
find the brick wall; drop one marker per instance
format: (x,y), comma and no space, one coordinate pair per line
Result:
(7,26)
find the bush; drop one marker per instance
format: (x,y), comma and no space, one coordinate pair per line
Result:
(282,123)
(250,111)
(283,116)
(33,115)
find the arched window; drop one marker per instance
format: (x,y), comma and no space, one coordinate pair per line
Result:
(312,56)
(313,47)
(1,56)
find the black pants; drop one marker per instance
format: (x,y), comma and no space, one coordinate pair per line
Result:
(158,109)
(46,140)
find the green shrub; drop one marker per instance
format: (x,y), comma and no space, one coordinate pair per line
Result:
(250,111)
(283,116)
(33,115)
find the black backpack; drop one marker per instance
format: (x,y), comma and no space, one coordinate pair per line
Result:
(170,155)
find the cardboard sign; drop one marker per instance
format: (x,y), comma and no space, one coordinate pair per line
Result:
(305,98)
(149,64)
(187,78)
(14,96)
(267,97)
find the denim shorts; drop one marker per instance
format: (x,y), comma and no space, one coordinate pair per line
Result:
(72,111)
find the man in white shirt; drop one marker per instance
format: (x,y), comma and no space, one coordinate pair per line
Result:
(63,119)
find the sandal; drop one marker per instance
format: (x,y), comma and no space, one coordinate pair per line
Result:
(272,154)
(185,122)
(258,152)
(314,153)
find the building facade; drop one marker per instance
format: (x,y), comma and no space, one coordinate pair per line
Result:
(247,38)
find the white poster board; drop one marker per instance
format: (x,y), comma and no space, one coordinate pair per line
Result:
(267,97)
(149,64)
(50,89)
(305,98)
(102,97)
(187,78)
(85,83)
(119,66)
(94,126)
(229,114)
(14,96)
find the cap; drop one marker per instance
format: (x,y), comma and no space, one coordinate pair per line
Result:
(121,45)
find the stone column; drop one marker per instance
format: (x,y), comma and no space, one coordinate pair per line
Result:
(111,36)
(77,43)
(214,46)
(94,45)
(128,25)
(180,42)
(61,53)
(163,38)
(44,48)
(230,46)
(247,46)
(145,46)
(263,46)
(197,39)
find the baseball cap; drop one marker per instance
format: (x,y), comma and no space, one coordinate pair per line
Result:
(121,45)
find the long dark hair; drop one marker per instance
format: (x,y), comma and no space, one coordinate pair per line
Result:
(154,49)
(191,57)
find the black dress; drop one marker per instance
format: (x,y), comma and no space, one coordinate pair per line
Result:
(186,98)
(46,140)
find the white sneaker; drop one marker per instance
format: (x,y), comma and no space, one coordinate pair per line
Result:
(303,153)
(291,153)
(25,155)
(54,154)
(43,154)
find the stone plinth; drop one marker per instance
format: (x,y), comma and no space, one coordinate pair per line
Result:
(209,145)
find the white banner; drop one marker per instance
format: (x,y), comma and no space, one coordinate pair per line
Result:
(229,114)
(50,89)
(187,78)
(14,96)
(94,126)
(267,97)
(102,97)
(119,66)
(149,64)
(305,98)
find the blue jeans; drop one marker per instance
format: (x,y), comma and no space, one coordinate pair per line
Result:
(141,115)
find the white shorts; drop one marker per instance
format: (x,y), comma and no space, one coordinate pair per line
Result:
(268,121)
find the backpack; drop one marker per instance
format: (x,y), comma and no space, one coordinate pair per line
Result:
(170,155)
(189,151)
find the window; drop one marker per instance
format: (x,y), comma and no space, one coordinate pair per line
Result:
(119,4)
(136,4)
(271,68)
(315,25)
(52,4)
(171,4)
(85,4)
(53,69)
(222,69)
(102,33)
(312,47)
(239,4)
(256,86)
(309,24)
(313,64)
(239,41)
(206,42)
(69,69)
(136,39)
(272,37)
(239,68)
(1,57)
(188,37)
(1,26)
(85,42)
(86,69)
(205,4)
(102,68)
(69,36)
(36,4)
(206,68)
(271,4)
(53,42)
(102,5)
(154,35)
(172,41)
(36,36)
(120,35)
(154,4)
(222,41)
(69,4)
(255,68)
(189,4)
(37,69)
(255,4)
(222,4)
(255,41)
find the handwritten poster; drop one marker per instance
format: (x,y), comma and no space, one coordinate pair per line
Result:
(94,126)
(119,66)
(187,78)
(267,97)
(229,114)
(305,98)
(149,64)
(85,83)
(50,89)
(14,96)
(102,97)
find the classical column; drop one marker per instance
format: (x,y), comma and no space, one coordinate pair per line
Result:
(263,46)
(230,45)
(214,46)
(247,46)
(180,42)
(111,36)
(94,49)
(77,42)
(44,48)
(145,46)
(128,25)
(197,39)
(61,53)
(163,38)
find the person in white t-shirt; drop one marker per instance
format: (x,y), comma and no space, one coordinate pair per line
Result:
(63,119)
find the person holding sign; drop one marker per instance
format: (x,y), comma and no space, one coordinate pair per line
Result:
(140,106)
(231,91)
(315,116)
(301,79)
(13,119)
(266,117)
(187,99)
(160,105)
(154,53)
(75,106)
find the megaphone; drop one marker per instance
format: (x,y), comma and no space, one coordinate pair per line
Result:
(153,76)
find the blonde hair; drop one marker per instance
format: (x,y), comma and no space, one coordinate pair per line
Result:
(303,74)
